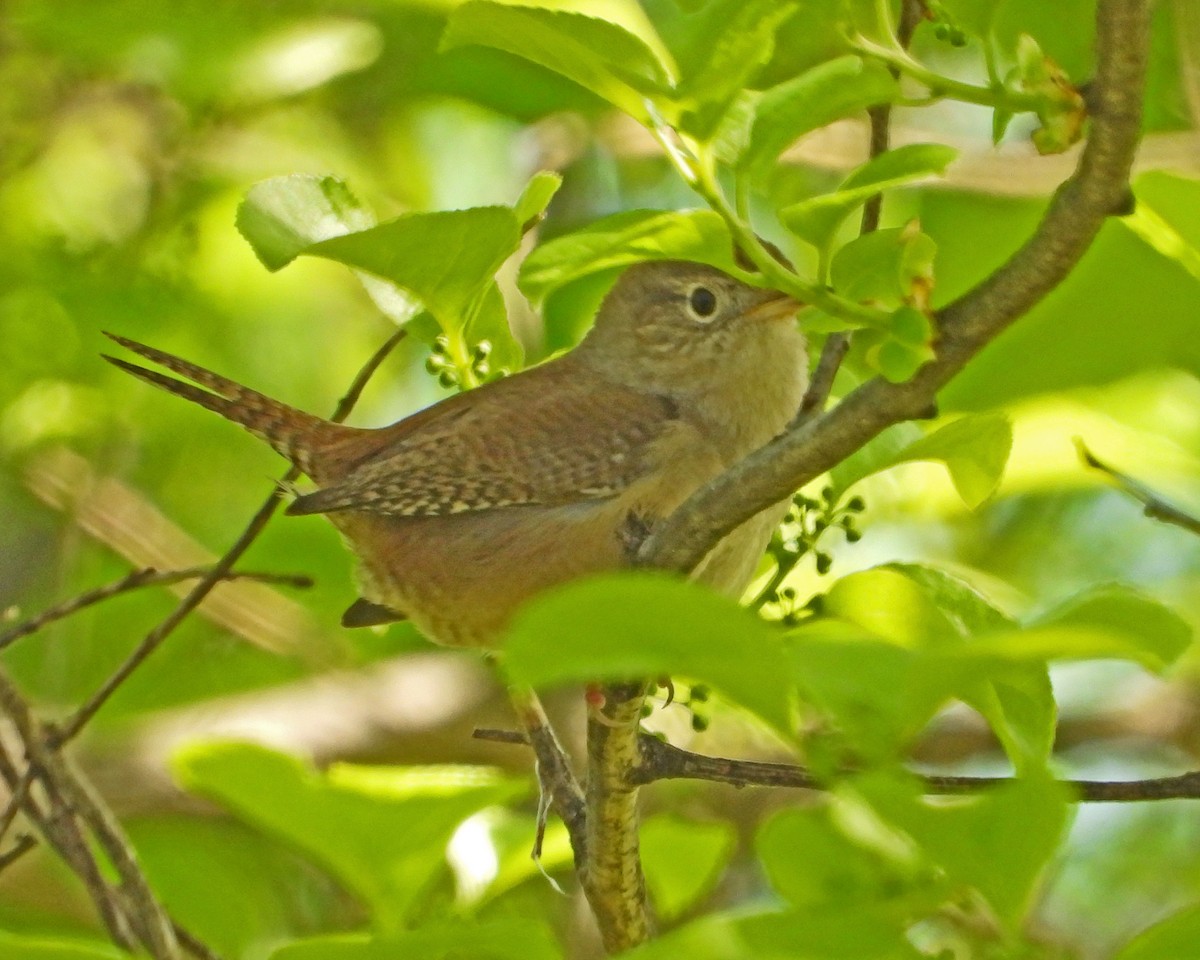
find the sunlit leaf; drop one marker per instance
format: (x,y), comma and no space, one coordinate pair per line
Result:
(835,871)
(683,860)
(814,99)
(625,238)
(283,217)
(860,933)
(445,258)
(736,39)
(16,947)
(817,219)
(997,843)
(1114,620)
(498,939)
(627,626)
(345,818)
(974,449)
(599,55)
(885,267)
(1175,938)
(536,196)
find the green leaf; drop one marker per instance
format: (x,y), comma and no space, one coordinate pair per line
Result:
(683,860)
(1137,627)
(834,870)
(1158,232)
(630,625)
(445,258)
(814,99)
(997,843)
(871,933)
(1016,699)
(14,947)
(973,16)
(599,55)
(933,620)
(974,449)
(735,40)
(623,239)
(490,323)
(896,360)
(283,217)
(872,690)
(817,219)
(346,817)
(498,939)
(1176,938)
(531,205)
(887,267)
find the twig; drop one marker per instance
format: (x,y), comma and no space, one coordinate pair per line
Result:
(664,761)
(146,577)
(56,822)
(25,843)
(15,801)
(555,778)
(661,760)
(837,345)
(257,523)
(1098,189)
(194,946)
(1154,506)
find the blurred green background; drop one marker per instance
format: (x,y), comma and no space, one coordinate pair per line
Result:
(129,131)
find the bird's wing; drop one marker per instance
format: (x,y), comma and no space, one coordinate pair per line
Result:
(545,437)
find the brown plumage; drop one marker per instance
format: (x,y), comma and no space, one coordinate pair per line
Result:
(464,510)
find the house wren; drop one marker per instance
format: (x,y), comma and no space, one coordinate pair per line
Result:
(464,510)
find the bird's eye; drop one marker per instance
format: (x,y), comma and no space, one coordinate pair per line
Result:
(702,303)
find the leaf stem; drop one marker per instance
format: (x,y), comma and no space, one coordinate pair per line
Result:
(995,94)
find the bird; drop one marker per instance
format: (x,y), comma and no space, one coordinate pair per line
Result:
(464,511)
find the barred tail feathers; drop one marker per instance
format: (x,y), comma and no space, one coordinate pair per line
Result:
(291,432)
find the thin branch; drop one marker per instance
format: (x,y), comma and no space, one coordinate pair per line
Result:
(194,946)
(1098,190)
(25,843)
(556,780)
(54,820)
(837,345)
(1154,505)
(663,761)
(258,522)
(13,807)
(146,577)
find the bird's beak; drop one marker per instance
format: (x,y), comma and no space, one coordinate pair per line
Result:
(772,305)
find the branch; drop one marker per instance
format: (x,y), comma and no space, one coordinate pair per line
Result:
(1154,506)
(146,577)
(660,760)
(556,781)
(154,639)
(1098,189)
(663,761)
(612,878)
(130,911)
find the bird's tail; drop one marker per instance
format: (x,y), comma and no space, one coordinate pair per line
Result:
(291,432)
